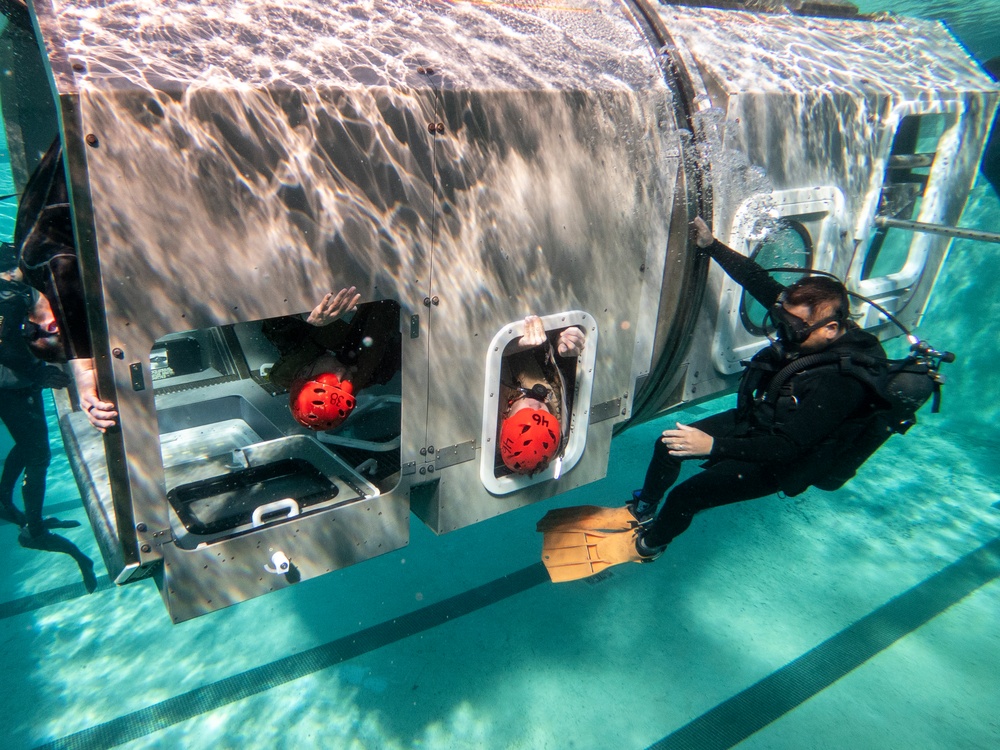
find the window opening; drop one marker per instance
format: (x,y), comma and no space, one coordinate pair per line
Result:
(914,148)
(542,377)
(515,374)
(264,421)
(182,360)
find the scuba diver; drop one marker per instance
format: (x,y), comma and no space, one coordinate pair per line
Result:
(48,261)
(325,361)
(22,378)
(771,442)
(534,420)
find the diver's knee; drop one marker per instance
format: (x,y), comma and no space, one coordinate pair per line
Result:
(662,455)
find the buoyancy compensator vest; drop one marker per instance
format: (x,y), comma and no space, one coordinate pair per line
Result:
(900,388)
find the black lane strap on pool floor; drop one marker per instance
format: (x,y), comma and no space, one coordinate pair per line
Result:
(49,597)
(201,700)
(749,711)
(724,726)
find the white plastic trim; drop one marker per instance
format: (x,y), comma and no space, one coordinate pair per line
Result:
(947,150)
(580,414)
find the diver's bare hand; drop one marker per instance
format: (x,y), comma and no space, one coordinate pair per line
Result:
(687,441)
(101,414)
(703,235)
(334,306)
(534,332)
(571,342)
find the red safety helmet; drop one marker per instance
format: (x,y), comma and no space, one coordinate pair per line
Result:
(322,402)
(529,439)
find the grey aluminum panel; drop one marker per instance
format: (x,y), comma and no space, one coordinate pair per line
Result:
(499,161)
(195,582)
(791,54)
(799,103)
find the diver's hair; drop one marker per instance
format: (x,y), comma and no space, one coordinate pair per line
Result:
(825,297)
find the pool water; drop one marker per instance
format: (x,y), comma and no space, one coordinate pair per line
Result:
(864,617)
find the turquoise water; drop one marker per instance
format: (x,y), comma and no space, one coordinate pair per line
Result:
(859,618)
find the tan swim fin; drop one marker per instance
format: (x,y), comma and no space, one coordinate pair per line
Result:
(587,518)
(570,555)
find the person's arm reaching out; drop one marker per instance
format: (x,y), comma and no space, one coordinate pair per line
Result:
(102,414)
(744,271)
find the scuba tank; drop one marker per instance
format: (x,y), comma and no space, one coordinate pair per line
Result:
(902,387)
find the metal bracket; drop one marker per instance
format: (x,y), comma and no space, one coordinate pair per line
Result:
(607,410)
(455,454)
(138,381)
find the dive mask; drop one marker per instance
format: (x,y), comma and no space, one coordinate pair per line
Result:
(790,329)
(33,332)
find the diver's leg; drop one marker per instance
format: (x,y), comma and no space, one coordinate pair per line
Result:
(26,422)
(661,474)
(720,484)
(31,434)
(33,492)
(13,465)
(30,455)
(664,468)
(16,412)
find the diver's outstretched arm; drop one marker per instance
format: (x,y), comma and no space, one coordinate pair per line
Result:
(757,282)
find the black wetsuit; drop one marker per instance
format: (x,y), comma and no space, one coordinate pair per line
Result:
(44,234)
(21,409)
(370,342)
(761,447)
(44,237)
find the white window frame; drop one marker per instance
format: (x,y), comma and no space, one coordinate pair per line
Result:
(733,342)
(931,205)
(580,414)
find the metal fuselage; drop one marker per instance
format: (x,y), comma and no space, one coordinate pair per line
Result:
(475,163)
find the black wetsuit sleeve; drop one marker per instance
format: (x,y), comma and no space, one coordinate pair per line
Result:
(64,291)
(831,399)
(44,234)
(746,272)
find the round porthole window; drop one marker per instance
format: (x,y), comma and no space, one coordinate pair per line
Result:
(786,245)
